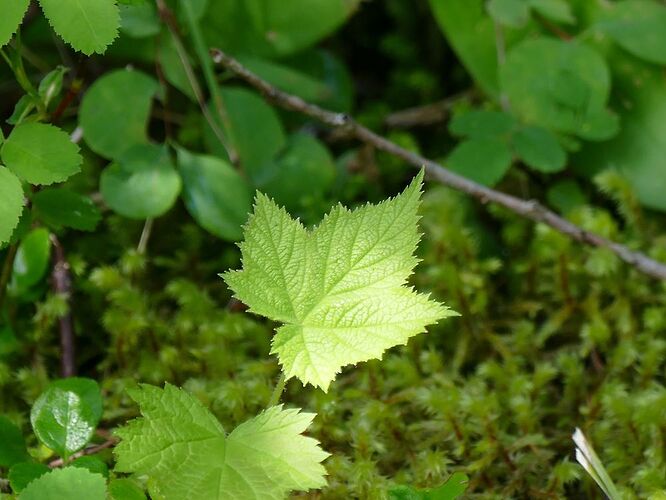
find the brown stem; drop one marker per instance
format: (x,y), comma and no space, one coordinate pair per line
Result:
(91,450)
(62,285)
(530,209)
(7,271)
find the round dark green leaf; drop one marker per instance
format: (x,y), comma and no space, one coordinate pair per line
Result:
(11,194)
(482,160)
(12,449)
(539,149)
(479,123)
(71,483)
(562,86)
(31,261)
(23,473)
(215,194)
(115,110)
(59,207)
(64,417)
(143,183)
(40,153)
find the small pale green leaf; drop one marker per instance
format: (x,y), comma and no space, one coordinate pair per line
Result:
(482,160)
(12,15)
(555,10)
(40,153)
(513,13)
(11,194)
(115,110)
(477,124)
(639,27)
(59,207)
(539,149)
(31,261)
(143,183)
(450,490)
(184,451)
(65,415)
(254,130)
(215,194)
(125,489)
(23,473)
(72,483)
(22,109)
(13,448)
(340,288)
(87,25)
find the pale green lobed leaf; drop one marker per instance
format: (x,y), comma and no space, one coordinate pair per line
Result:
(340,288)
(182,447)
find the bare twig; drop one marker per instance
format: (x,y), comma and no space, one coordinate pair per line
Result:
(62,285)
(427,114)
(91,450)
(530,209)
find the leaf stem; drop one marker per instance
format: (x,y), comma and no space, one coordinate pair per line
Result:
(7,271)
(277,392)
(145,236)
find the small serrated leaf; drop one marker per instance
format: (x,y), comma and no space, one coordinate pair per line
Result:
(72,483)
(11,194)
(12,15)
(87,25)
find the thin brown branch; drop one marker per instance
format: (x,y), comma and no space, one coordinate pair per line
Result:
(91,450)
(428,114)
(62,285)
(530,209)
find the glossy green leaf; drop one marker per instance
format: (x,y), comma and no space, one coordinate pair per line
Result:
(339,288)
(254,130)
(65,415)
(12,15)
(23,473)
(301,175)
(480,123)
(559,85)
(59,207)
(482,160)
(71,483)
(13,448)
(31,261)
(143,182)
(114,119)
(125,489)
(269,28)
(450,490)
(11,194)
(513,13)
(87,25)
(558,11)
(40,154)
(638,26)
(539,149)
(215,194)
(185,452)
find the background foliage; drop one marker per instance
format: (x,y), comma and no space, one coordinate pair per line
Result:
(558,100)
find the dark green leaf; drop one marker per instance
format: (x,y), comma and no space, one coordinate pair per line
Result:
(64,417)
(31,261)
(566,195)
(8,341)
(12,449)
(125,489)
(71,483)
(450,490)
(93,464)
(539,149)
(215,194)
(59,207)
(114,119)
(482,160)
(22,109)
(555,10)
(139,20)
(23,473)
(40,153)
(142,183)
(477,124)
(51,85)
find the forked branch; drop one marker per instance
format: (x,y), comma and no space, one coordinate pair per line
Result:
(530,209)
